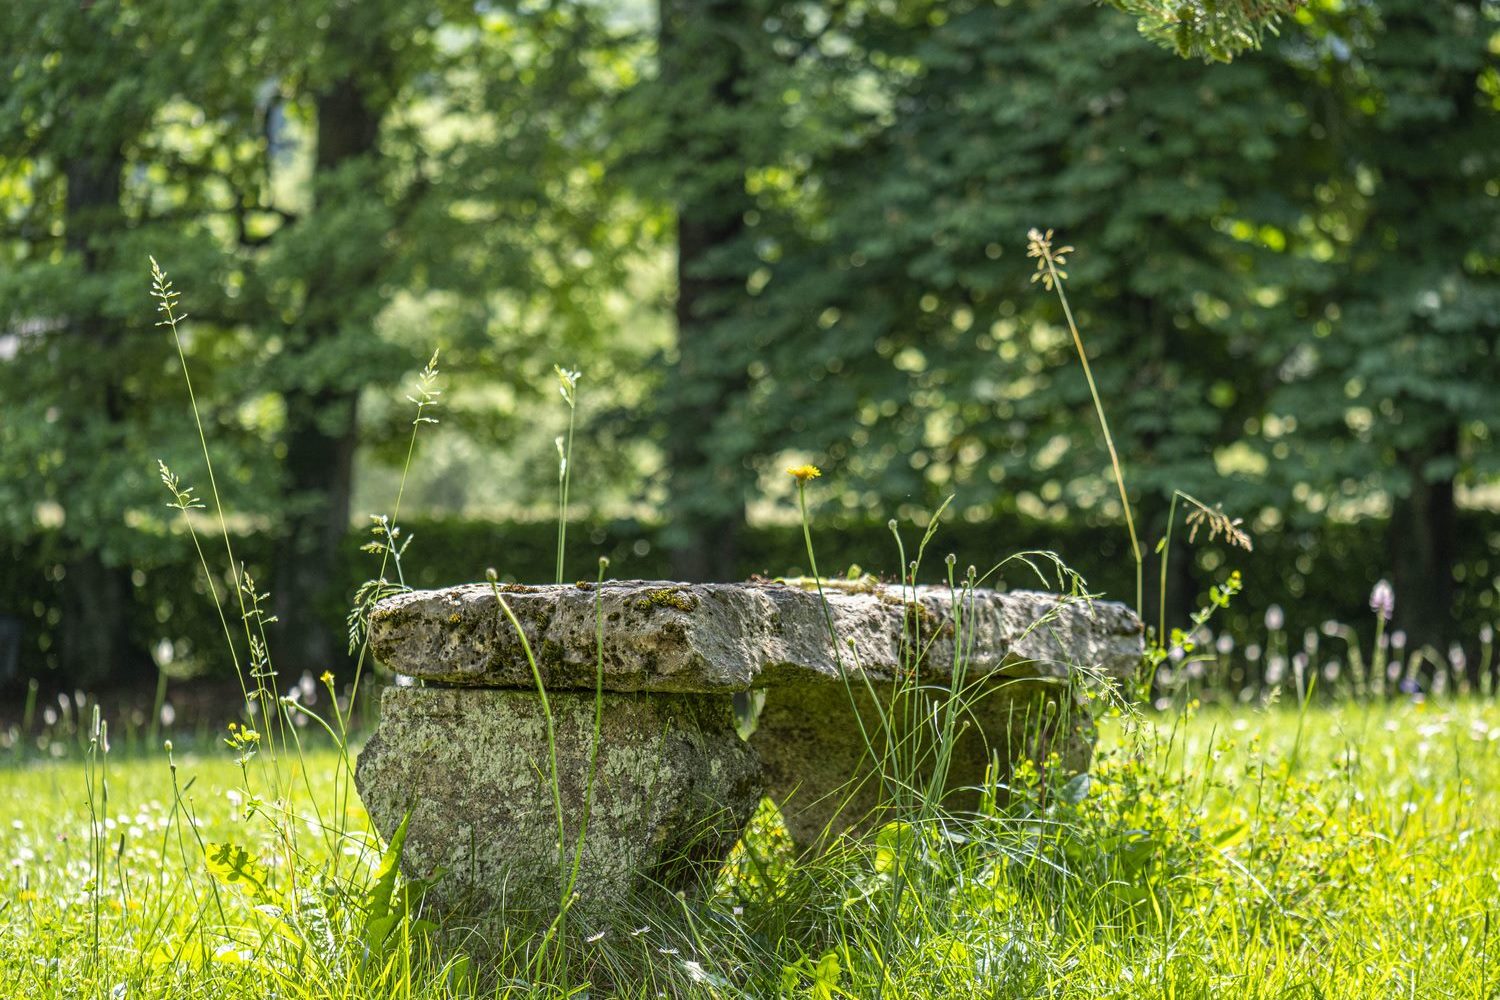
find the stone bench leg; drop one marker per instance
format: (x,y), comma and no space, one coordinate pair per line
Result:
(820,772)
(675,787)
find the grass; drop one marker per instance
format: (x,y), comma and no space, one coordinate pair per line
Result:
(1317,850)
(1199,860)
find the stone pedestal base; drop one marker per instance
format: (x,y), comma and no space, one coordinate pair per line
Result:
(674,788)
(815,744)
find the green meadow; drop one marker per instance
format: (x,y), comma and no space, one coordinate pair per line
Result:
(1345,851)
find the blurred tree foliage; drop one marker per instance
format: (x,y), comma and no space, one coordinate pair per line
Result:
(337,187)
(840,174)
(85,186)
(1285,269)
(907,340)
(1386,372)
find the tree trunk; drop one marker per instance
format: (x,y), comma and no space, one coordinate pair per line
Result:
(707,493)
(703,61)
(319,475)
(1421,547)
(321,425)
(95,644)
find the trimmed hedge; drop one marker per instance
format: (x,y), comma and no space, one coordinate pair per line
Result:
(1315,575)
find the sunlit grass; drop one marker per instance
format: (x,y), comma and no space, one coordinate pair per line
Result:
(1304,850)
(1199,861)
(1348,852)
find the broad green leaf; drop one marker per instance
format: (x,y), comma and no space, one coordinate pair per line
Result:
(380,917)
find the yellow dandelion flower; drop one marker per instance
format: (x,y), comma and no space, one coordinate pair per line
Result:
(802,473)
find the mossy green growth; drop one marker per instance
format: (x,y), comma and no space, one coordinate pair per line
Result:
(666,597)
(856,583)
(550,651)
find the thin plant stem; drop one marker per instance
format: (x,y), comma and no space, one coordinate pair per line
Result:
(162,291)
(557,929)
(1051,261)
(803,474)
(1109,441)
(569,389)
(564,481)
(166,303)
(425,398)
(1166,551)
(588,788)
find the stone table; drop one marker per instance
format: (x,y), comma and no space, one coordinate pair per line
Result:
(465,745)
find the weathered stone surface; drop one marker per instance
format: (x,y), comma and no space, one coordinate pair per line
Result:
(730,637)
(836,761)
(676,785)
(674,788)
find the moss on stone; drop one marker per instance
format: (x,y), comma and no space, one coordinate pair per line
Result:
(672,788)
(864,583)
(666,597)
(922,622)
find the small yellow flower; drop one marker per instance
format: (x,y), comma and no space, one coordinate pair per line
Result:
(327,678)
(241,737)
(802,473)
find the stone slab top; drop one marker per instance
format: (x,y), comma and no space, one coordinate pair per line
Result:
(718,637)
